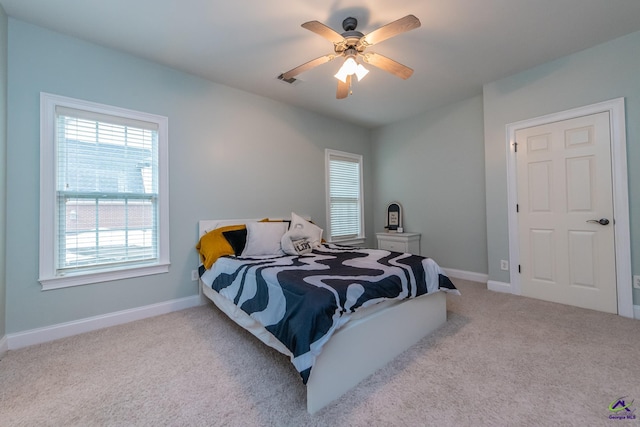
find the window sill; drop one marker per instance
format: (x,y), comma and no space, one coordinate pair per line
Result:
(102,276)
(358,241)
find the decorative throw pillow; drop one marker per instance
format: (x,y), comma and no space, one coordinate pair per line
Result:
(263,238)
(213,245)
(237,239)
(302,246)
(302,236)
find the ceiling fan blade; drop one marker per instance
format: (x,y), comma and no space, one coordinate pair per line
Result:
(388,65)
(343,88)
(394,28)
(324,31)
(306,66)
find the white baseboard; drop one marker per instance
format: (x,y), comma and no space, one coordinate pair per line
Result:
(4,345)
(495,286)
(466,275)
(63,330)
(492,285)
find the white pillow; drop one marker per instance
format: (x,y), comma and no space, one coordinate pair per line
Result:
(302,236)
(263,238)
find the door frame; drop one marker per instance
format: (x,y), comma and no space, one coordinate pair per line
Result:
(622,233)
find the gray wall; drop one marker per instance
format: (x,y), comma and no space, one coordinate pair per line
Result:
(232,155)
(433,165)
(3,164)
(597,74)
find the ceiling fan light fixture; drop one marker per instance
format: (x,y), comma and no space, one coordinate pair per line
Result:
(349,68)
(361,72)
(341,75)
(349,65)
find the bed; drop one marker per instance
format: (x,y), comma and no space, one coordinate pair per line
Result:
(346,324)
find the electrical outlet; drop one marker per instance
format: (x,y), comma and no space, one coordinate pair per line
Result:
(636,282)
(504,264)
(194,275)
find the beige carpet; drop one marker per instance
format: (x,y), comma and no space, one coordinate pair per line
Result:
(499,360)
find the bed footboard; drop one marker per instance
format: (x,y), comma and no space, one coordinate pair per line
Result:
(365,345)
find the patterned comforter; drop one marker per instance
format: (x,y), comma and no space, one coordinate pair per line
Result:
(302,300)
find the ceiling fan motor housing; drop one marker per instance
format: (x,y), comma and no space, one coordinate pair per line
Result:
(349,24)
(351,37)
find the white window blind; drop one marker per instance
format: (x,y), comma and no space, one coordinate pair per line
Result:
(344,195)
(107,189)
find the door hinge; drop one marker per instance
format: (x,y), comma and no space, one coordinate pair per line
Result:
(519,271)
(515,147)
(517,208)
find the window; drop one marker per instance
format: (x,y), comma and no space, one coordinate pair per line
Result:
(344,196)
(103,193)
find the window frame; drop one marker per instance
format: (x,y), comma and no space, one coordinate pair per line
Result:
(356,158)
(48,195)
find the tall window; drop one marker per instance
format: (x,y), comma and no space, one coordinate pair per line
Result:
(344,196)
(103,193)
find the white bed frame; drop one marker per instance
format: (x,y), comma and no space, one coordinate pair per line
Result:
(360,347)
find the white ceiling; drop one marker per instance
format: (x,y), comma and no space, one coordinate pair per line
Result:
(246,44)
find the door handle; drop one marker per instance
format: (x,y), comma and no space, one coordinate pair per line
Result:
(601,221)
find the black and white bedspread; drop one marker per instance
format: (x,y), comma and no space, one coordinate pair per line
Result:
(302,300)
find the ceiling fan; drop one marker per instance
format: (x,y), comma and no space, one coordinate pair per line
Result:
(351,45)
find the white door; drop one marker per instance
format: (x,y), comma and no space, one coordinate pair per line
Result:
(565,213)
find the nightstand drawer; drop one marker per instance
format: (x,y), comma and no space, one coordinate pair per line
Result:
(388,245)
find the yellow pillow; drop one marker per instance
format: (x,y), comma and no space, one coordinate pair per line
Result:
(213,245)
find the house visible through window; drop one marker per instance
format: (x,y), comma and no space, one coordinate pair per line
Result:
(103,193)
(344,196)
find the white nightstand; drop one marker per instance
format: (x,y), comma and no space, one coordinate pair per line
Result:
(399,242)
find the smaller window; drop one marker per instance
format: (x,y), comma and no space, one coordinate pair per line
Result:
(344,196)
